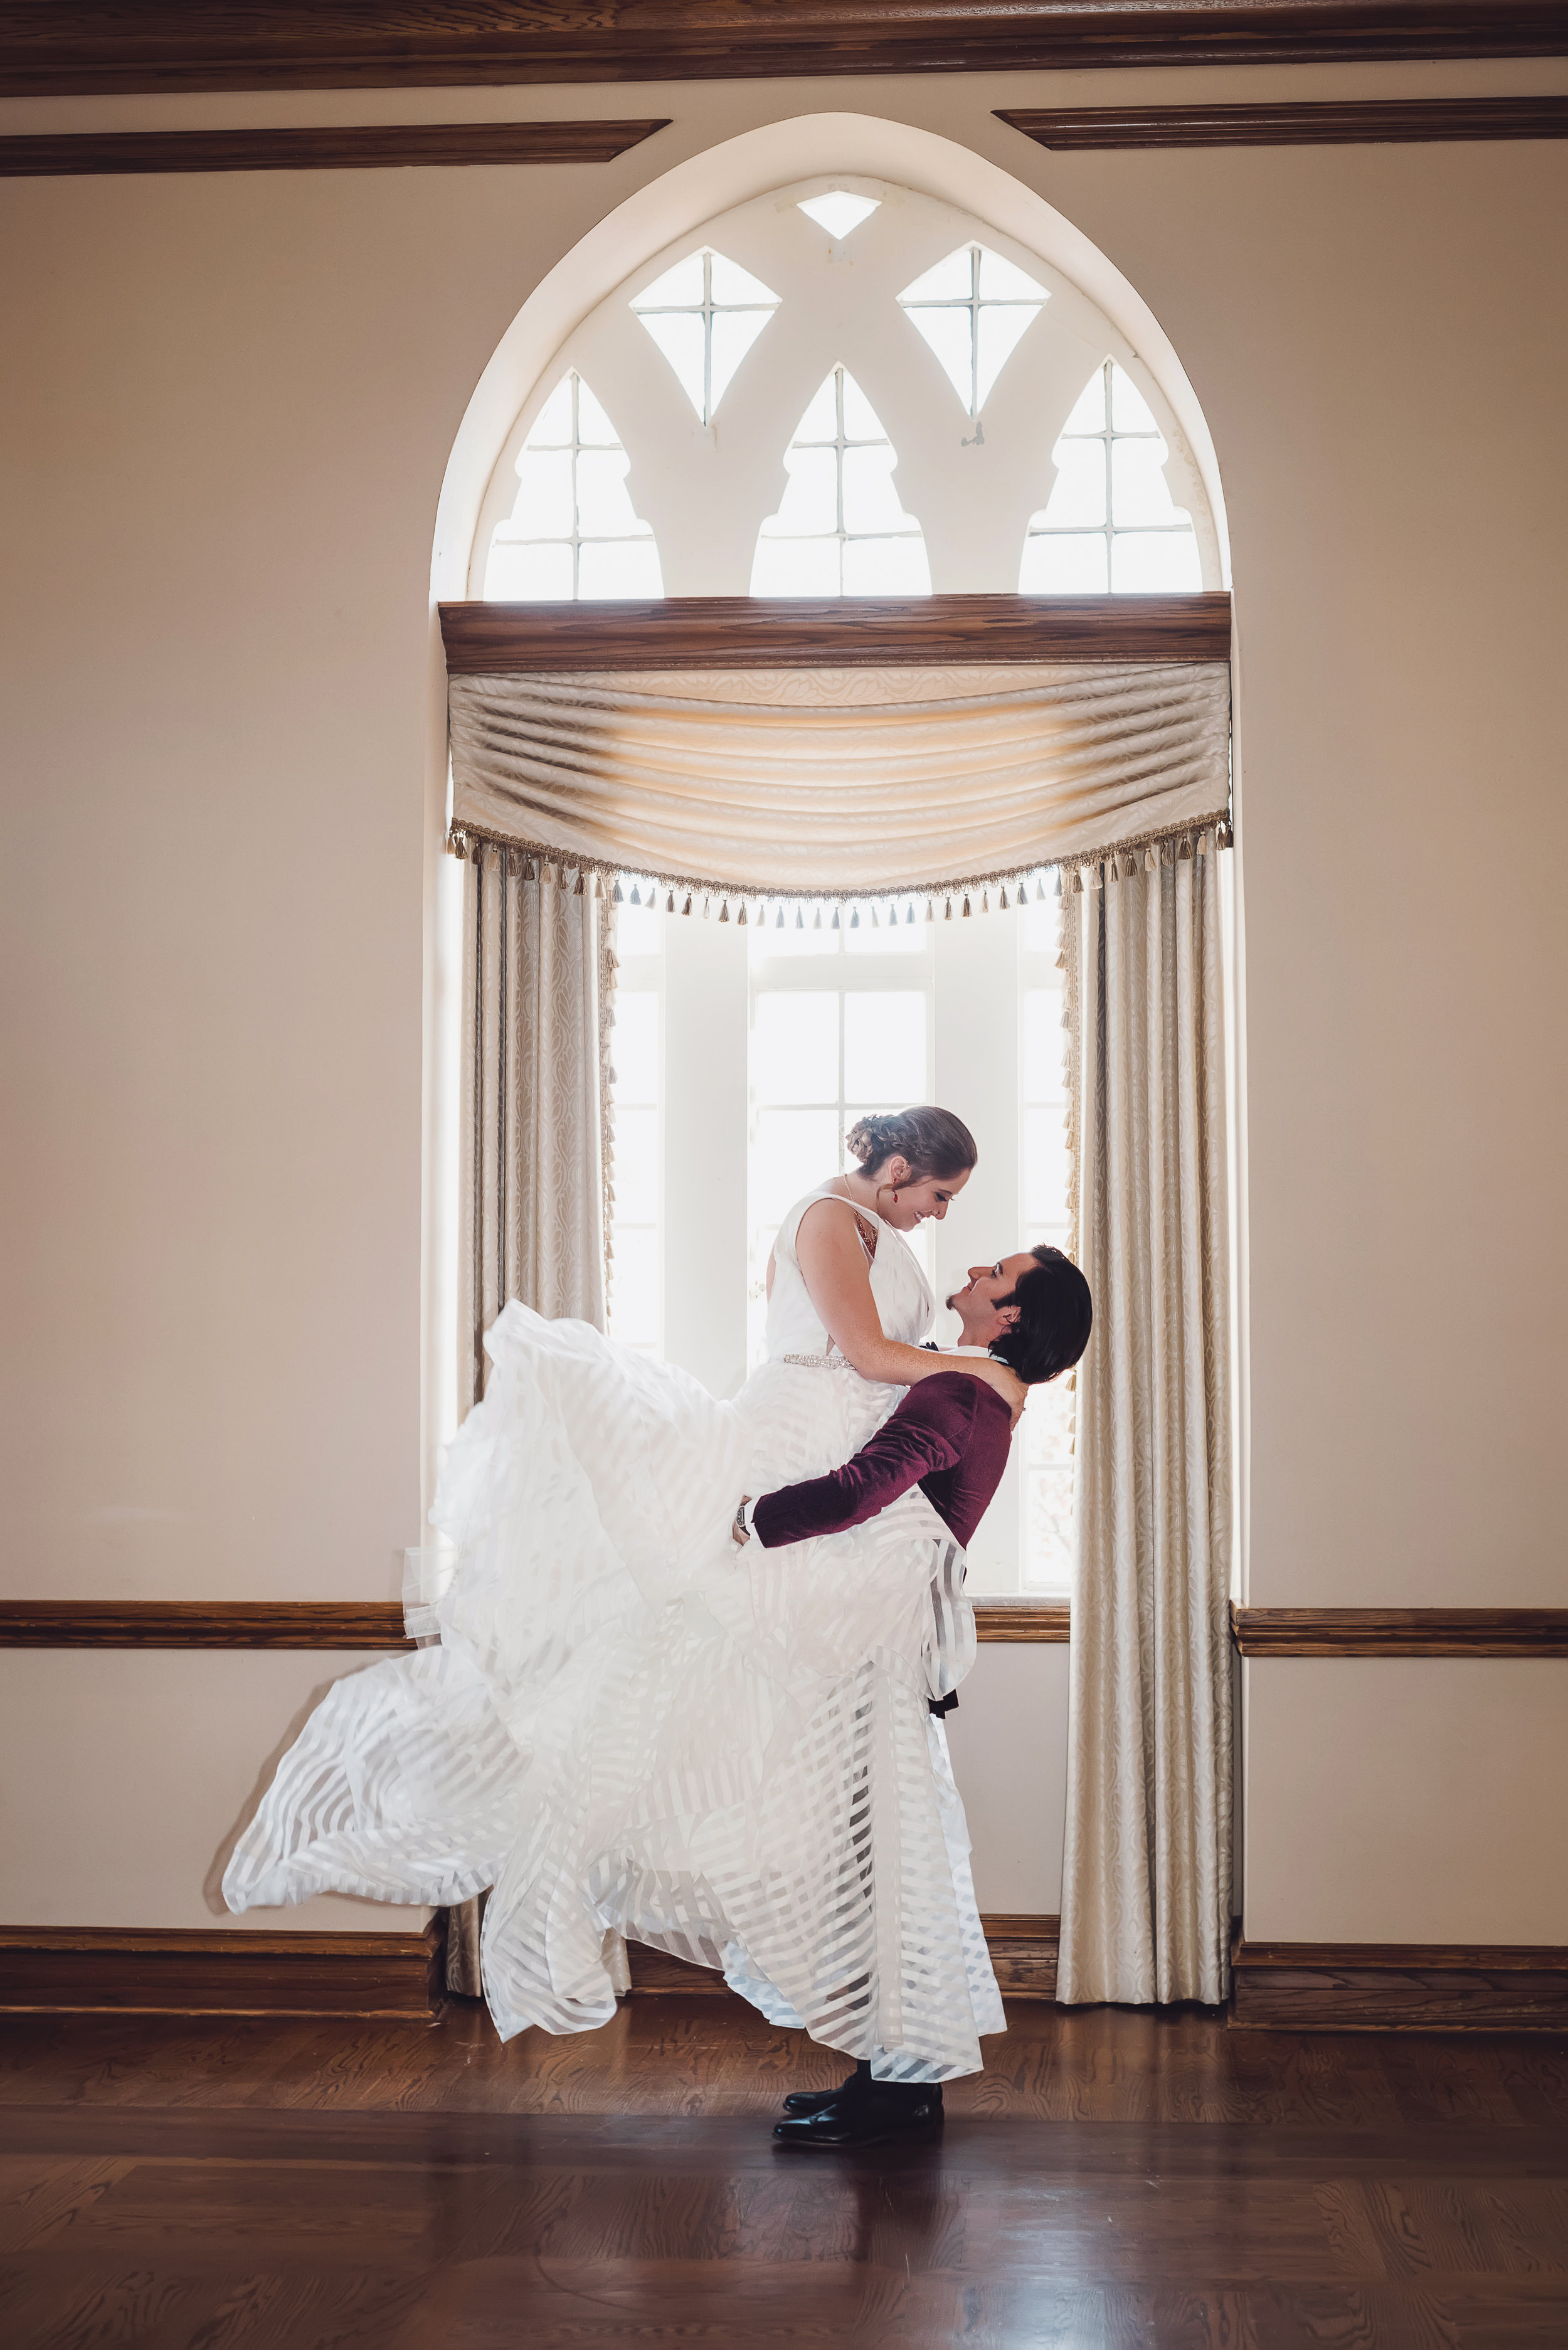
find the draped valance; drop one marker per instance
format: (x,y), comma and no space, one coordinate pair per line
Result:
(844,782)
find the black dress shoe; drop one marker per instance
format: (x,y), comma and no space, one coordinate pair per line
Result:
(814,2101)
(869,2119)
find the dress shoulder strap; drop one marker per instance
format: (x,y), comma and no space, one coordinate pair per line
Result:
(784,1239)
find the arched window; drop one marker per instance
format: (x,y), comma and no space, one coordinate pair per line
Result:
(572,531)
(859,392)
(841,388)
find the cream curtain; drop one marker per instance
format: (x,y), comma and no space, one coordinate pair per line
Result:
(1146,1901)
(840,782)
(538,995)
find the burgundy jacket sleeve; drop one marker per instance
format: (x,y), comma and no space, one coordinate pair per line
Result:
(926,1433)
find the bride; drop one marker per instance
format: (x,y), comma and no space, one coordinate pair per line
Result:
(631,1728)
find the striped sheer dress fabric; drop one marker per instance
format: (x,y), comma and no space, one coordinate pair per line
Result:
(631,1726)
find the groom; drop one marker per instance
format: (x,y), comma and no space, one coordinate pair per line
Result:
(951,1435)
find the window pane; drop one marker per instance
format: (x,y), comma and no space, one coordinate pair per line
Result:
(795,1049)
(528,574)
(795,1149)
(951,334)
(1155,562)
(634,1289)
(1062,567)
(636,1166)
(734,332)
(795,567)
(553,425)
(627,566)
(594,427)
(678,334)
(1046,1165)
(886,566)
(885,1047)
(544,507)
(1049,1531)
(1040,923)
(861,421)
(634,1045)
(731,283)
(1004,281)
(1077,498)
(951,280)
(638,928)
(1139,491)
(1001,332)
(683,283)
(1043,1042)
(604,509)
(891,936)
(810,501)
(1130,411)
(1089,409)
(769,941)
(820,421)
(870,501)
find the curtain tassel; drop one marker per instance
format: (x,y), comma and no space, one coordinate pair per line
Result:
(835,923)
(799,918)
(725,912)
(581,889)
(1001,901)
(948,915)
(818,924)
(741,917)
(966,909)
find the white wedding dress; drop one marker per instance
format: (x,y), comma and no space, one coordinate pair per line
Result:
(631,1726)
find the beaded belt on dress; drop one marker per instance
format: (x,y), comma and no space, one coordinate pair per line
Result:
(820,1362)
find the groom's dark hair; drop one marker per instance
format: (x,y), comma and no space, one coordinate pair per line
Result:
(1055,1314)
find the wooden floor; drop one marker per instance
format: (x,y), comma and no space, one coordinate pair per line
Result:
(1115,2178)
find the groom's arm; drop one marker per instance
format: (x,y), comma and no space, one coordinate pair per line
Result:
(927,1432)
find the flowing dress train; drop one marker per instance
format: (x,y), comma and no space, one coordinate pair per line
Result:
(630,1726)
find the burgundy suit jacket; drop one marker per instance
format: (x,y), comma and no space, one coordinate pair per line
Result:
(950,1436)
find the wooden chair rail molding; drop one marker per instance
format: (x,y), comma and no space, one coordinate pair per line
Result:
(742,631)
(1400,1631)
(370,147)
(1353,123)
(221,1971)
(73,47)
(1398,1987)
(341,1624)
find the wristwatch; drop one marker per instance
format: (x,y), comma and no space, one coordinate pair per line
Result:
(741,1526)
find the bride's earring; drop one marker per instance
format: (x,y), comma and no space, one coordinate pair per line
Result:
(895,1199)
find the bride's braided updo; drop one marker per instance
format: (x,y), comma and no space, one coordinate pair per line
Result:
(931,1142)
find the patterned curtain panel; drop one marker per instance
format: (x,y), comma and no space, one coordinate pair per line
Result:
(538,998)
(1146,1899)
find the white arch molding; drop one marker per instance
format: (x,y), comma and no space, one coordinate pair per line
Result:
(656,218)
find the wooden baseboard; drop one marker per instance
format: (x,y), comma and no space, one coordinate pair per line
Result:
(1398,1987)
(1022,1951)
(99,1970)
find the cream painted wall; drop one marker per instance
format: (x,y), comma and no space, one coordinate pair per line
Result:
(1434,1787)
(227,405)
(1008,1741)
(129,1776)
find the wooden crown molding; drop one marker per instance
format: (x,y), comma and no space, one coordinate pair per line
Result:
(1352,124)
(1398,1987)
(1400,1631)
(65,48)
(219,1971)
(803,632)
(337,1625)
(369,147)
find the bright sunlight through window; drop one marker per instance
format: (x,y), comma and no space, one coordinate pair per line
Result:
(705,314)
(839,212)
(1111,522)
(573,531)
(973,309)
(840,529)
